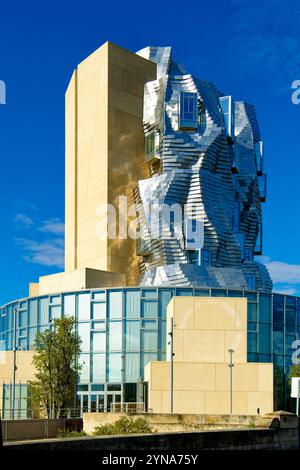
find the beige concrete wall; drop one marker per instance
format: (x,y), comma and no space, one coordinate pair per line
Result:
(204,330)
(76,280)
(104,154)
(179,422)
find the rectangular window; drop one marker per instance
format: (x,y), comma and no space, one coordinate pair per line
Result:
(69,306)
(99,296)
(55,299)
(265,312)
(132,367)
(149,145)
(115,302)
(149,308)
(44,315)
(264,339)
(99,311)
(55,311)
(252,312)
(132,337)
(115,336)
(33,312)
(84,362)
(84,333)
(262,187)
(164,298)
(133,304)
(259,155)
(84,306)
(227,106)
(99,341)
(149,340)
(99,368)
(22,319)
(115,368)
(188,111)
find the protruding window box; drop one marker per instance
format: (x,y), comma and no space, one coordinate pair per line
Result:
(262,186)
(188,111)
(259,157)
(227,106)
(152,147)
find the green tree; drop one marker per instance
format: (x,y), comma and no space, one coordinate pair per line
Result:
(294,372)
(56,362)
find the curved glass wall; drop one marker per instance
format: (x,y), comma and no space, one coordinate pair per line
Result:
(123,329)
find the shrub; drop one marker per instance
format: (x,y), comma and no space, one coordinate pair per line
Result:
(124,425)
(65,433)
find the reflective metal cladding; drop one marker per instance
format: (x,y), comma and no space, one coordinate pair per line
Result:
(205,155)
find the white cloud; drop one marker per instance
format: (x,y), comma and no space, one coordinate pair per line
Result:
(23,221)
(287,291)
(285,276)
(284,273)
(46,253)
(53,225)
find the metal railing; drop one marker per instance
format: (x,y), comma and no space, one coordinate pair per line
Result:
(28,413)
(128,407)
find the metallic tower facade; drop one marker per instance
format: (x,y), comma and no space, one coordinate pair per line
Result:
(205,155)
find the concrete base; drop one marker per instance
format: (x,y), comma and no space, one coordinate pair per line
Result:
(193,422)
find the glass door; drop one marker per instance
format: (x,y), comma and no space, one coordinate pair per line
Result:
(112,399)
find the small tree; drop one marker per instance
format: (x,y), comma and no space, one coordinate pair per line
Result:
(56,362)
(294,372)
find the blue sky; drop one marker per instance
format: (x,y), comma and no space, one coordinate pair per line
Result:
(250,49)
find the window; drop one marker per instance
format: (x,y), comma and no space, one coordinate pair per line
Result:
(259,156)
(133,304)
(132,367)
(115,368)
(262,187)
(149,308)
(84,306)
(84,362)
(84,333)
(115,304)
(55,311)
(188,111)
(227,106)
(115,336)
(149,340)
(69,305)
(99,368)
(152,146)
(99,341)
(132,335)
(265,313)
(149,145)
(99,311)
(259,241)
